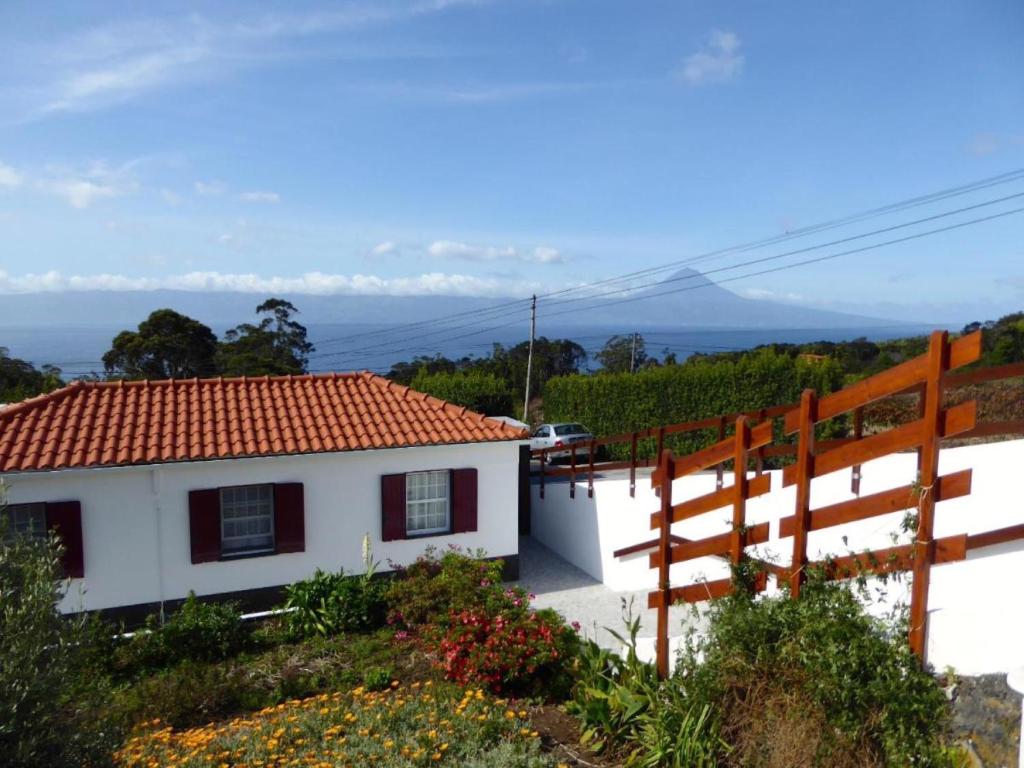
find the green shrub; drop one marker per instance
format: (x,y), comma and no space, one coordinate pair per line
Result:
(197,631)
(49,689)
(814,681)
(610,404)
(624,708)
(329,603)
(377,678)
(426,591)
(481,392)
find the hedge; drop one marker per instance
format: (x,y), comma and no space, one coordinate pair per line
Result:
(481,392)
(613,403)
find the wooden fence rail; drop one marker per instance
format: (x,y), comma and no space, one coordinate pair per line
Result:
(928,374)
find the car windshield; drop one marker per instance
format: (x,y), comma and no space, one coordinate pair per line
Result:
(569,429)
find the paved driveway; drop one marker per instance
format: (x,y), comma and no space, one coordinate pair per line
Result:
(579,597)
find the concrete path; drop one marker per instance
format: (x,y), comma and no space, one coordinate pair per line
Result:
(577,596)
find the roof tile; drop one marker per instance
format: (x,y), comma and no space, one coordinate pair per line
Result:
(91,424)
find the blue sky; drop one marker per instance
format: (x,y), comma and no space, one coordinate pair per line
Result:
(497,148)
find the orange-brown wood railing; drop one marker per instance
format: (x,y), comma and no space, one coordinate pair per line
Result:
(928,374)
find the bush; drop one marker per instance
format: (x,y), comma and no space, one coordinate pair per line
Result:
(426,591)
(481,392)
(624,707)
(48,689)
(815,681)
(516,650)
(611,404)
(329,603)
(197,631)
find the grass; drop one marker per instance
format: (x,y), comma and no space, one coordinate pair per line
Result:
(416,724)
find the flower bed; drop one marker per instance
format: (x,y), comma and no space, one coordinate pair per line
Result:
(403,725)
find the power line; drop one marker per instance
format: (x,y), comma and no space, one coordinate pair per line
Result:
(805,262)
(912,202)
(798,251)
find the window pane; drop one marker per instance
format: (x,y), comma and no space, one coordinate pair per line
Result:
(247,518)
(27,520)
(427,503)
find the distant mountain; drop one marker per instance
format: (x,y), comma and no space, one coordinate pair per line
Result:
(687,298)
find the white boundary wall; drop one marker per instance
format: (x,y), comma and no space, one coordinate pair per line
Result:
(976,607)
(136,530)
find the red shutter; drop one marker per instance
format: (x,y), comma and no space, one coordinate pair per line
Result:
(65,519)
(204,524)
(463,500)
(392,507)
(289,518)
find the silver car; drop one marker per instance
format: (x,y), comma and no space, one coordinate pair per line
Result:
(559,435)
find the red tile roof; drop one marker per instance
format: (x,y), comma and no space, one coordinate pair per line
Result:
(97,424)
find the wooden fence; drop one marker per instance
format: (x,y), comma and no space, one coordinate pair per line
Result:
(927,374)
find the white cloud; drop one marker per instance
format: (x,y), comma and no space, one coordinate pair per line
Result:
(386,248)
(9,177)
(81,188)
(451,249)
(210,188)
(764,294)
(260,197)
(117,62)
(317,283)
(988,143)
(718,61)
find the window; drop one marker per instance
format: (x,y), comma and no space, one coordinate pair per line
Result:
(247,519)
(541,432)
(570,429)
(26,520)
(427,502)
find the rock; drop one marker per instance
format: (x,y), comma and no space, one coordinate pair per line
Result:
(986,712)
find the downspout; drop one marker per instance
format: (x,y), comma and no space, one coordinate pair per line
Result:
(155,477)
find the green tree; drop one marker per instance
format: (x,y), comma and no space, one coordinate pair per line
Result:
(481,392)
(167,345)
(619,356)
(20,379)
(277,345)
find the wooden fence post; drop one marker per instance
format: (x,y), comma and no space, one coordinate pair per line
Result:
(804,473)
(924,547)
(590,469)
(738,541)
(572,471)
(759,460)
(719,469)
(858,433)
(668,472)
(632,466)
(542,457)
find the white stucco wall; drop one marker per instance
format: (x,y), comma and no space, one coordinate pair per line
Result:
(136,531)
(976,607)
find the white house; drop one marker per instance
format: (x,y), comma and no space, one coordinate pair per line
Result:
(236,487)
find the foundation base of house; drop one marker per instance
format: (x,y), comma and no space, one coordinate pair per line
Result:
(250,600)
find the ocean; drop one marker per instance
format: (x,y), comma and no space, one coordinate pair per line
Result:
(77,349)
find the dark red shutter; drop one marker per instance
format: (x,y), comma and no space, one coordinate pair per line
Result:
(289,518)
(463,500)
(392,507)
(65,519)
(204,524)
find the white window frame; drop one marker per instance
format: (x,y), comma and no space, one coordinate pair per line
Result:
(433,493)
(24,519)
(260,509)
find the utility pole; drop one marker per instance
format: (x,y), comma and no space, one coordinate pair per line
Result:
(632,355)
(529,358)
